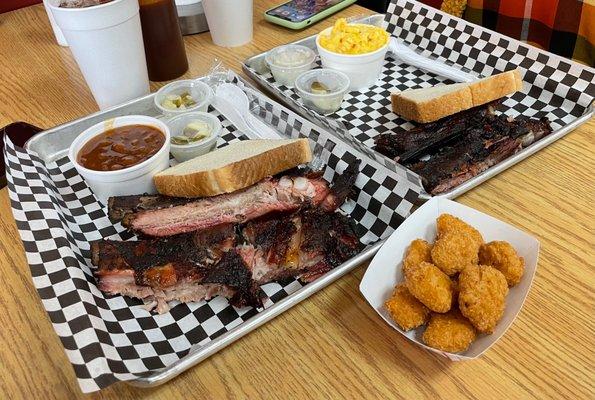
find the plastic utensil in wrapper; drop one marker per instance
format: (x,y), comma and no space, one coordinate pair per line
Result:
(229,96)
(405,54)
(107,44)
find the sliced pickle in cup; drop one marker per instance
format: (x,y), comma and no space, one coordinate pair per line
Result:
(194,132)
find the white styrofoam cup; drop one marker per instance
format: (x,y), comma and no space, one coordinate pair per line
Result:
(57,31)
(107,44)
(230,21)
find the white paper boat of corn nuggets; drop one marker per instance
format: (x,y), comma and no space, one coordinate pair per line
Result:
(385,269)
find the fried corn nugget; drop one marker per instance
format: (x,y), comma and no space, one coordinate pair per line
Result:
(418,251)
(449,332)
(482,296)
(448,223)
(453,251)
(406,310)
(503,257)
(455,291)
(430,285)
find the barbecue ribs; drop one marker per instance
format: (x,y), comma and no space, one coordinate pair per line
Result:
(159,216)
(454,149)
(232,261)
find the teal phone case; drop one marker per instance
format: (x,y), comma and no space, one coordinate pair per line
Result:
(315,18)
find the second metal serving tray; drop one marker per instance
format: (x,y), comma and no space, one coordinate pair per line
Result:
(554,87)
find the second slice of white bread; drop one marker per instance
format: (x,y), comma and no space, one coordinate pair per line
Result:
(233,167)
(431,104)
(496,86)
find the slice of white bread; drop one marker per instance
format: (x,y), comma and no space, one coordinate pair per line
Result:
(430,104)
(232,167)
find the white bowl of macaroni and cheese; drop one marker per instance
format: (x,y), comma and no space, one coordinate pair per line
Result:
(357,50)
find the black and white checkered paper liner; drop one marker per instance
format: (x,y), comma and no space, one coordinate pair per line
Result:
(554,87)
(109,339)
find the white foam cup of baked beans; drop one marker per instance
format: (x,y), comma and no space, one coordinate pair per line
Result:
(133,179)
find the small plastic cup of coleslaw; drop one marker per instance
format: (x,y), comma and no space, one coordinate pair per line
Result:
(193,134)
(289,61)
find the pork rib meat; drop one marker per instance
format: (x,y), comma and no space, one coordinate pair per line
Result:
(404,145)
(232,261)
(160,216)
(480,148)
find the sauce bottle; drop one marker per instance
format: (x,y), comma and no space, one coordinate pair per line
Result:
(164,47)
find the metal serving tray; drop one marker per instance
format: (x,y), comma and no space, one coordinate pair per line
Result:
(52,145)
(257,69)
(195,357)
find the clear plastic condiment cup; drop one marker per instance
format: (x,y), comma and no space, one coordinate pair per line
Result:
(201,93)
(185,152)
(336,82)
(287,62)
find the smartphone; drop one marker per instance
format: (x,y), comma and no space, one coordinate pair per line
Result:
(298,14)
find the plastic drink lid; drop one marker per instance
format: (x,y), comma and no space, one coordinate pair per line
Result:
(187,2)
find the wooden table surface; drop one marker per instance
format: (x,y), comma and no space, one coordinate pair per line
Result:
(332,345)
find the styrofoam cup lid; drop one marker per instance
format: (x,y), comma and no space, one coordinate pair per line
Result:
(187,2)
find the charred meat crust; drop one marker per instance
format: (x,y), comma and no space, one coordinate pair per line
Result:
(162,263)
(160,217)
(484,146)
(325,241)
(271,235)
(465,166)
(143,254)
(403,145)
(233,271)
(329,234)
(301,239)
(447,168)
(342,187)
(121,206)
(266,196)
(304,171)
(462,146)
